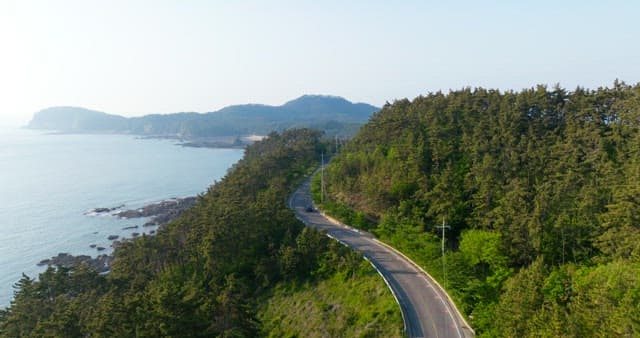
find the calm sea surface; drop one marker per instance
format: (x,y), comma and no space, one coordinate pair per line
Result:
(48,183)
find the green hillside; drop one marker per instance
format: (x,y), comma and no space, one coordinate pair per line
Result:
(540,188)
(352,303)
(210,272)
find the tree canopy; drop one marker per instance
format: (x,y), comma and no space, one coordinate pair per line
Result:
(541,189)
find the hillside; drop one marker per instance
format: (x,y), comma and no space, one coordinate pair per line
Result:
(228,267)
(540,191)
(334,115)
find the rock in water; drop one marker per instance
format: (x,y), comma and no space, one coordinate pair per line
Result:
(102,263)
(162,212)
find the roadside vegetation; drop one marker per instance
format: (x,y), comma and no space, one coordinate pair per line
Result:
(540,191)
(353,302)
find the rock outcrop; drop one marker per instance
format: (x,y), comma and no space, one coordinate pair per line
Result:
(102,263)
(161,213)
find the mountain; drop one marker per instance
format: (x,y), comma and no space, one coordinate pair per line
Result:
(330,107)
(334,115)
(306,107)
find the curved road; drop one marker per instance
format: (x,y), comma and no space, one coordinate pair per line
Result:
(426,309)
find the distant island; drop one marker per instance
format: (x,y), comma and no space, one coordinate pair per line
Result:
(230,125)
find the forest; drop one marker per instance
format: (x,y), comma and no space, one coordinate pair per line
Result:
(540,193)
(224,268)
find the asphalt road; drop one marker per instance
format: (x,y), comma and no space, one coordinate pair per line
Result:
(426,309)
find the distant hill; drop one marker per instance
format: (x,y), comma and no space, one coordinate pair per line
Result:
(334,115)
(330,107)
(75,119)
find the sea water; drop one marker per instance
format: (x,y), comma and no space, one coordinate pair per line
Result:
(49,183)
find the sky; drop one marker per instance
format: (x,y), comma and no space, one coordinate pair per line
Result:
(138,57)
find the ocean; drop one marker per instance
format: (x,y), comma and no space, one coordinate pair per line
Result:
(49,183)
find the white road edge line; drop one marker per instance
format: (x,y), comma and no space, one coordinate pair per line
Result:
(441,290)
(393,292)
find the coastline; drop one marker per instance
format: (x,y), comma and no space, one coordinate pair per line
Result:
(51,182)
(217,142)
(160,214)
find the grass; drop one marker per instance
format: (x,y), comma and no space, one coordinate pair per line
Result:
(346,304)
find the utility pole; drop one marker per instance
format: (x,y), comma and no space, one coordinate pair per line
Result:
(322,178)
(444,262)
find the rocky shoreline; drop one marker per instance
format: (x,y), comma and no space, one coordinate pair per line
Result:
(224,142)
(101,264)
(161,213)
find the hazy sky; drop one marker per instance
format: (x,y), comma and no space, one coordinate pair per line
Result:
(139,57)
